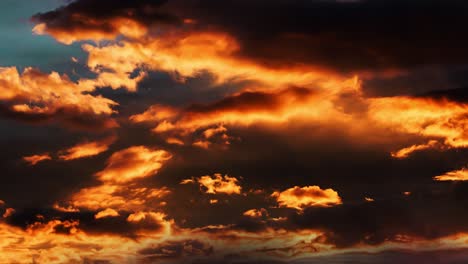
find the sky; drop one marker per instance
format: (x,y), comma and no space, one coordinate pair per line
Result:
(246,131)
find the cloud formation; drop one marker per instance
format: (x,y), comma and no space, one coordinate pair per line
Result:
(133,163)
(308,196)
(217,184)
(274,92)
(86,149)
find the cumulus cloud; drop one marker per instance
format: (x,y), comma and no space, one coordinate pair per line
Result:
(217,184)
(308,196)
(34,95)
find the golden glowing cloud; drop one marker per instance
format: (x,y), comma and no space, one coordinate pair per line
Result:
(255,213)
(457,175)
(309,196)
(37,93)
(106,213)
(87,149)
(429,118)
(35,159)
(217,184)
(119,26)
(117,196)
(133,163)
(190,53)
(405,152)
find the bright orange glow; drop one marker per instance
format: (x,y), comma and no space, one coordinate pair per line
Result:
(120,26)
(309,196)
(119,197)
(133,163)
(189,54)
(405,152)
(429,118)
(202,144)
(217,184)
(106,213)
(87,149)
(37,93)
(155,113)
(35,159)
(255,213)
(457,175)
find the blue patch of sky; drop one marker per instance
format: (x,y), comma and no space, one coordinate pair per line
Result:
(21,48)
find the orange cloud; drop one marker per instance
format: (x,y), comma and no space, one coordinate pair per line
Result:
(133,163)
(440,119)
(118,197)
(217,184)
(245,109)
(106,213)
(309,196)
(255,213)
(457,175)
(35,159)
(8,212)
(155,113)
(34,92)
(406,152)
(87,149)
(118,26)
(189,53)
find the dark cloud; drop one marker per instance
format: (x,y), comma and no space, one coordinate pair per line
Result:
(82,15)
(343,35)
(177,249)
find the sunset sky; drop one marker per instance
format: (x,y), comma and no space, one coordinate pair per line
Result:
(238,132)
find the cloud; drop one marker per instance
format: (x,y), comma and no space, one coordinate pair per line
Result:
(34,95)
(256,213)
(119,187)
(308,196)
(106,213)
(133,163)
(429,118)
(456,175)
(84,20)
(108,195)
(405,152)
(177,249)
(86,149)
(217,184)
(35,159)
(360,36)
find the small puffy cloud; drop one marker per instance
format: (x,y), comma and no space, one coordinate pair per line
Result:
(309,196)
(86,149)
(109,212)
(217,184)
(256,213)
(133,163)
(456,175)
(35,159)
(8,212)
